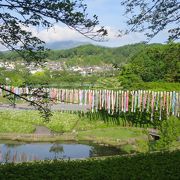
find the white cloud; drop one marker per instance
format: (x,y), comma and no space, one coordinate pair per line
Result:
(64,33)
(57,33)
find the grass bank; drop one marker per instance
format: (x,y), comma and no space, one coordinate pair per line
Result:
(15,121)
(113,136)
(20,125)
(161,165)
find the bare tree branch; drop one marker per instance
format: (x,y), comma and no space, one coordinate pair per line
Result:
(152,16)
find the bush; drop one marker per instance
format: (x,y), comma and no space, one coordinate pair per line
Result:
(162,165)
(169,133)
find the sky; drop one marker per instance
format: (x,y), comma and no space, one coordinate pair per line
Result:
(110,15)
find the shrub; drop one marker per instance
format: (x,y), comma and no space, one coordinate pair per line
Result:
(169,133)
(161,165)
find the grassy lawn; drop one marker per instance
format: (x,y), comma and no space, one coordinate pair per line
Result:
(116,136)
(114,133)
(4,100)
(16,122)
(11,121)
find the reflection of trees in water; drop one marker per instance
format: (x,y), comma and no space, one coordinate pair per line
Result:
(98,150)
(14,156)
(1,156)
(12,145)
(7,155)
(56,148)
(11,155)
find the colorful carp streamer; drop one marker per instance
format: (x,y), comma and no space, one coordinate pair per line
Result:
(115,101)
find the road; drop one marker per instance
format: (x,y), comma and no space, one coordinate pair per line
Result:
(60,107)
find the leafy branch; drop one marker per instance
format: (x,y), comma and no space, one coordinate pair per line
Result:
(42,102)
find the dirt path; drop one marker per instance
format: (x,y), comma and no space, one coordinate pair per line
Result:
(42,130)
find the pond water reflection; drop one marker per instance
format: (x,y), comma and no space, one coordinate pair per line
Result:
(22,152)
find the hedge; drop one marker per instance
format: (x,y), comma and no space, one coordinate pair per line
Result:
(162,165)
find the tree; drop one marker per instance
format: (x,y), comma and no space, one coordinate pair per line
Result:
(16,16)
(155,63)
(153,16)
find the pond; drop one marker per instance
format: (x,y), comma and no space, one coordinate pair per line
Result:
(22,152)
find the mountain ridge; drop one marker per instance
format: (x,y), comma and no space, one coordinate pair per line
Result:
(90,54)
(62,45)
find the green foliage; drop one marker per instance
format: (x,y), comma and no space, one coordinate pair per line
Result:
(163,165)
(112,133)
(20,76)
(16,77)
(157,86)
(156,63)
(169,133)
(153,66)
(154,86)
(128,78)
(39,78)
(107,83)
(25,121)
(62,122)
(87,55)
(142,146)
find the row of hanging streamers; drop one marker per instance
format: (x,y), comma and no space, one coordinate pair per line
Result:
(149,101)
(15,90)
(114,101)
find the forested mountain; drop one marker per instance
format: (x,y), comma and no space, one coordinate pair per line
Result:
(58,45)
(150,61)
(88,54)
(95,55)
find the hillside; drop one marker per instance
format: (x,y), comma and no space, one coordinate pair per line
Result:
(95,55)
(58,45)
(89,54)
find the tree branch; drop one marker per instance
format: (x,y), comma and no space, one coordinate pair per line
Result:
(41,108)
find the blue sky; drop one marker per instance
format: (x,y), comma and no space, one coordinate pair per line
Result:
(111,14)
